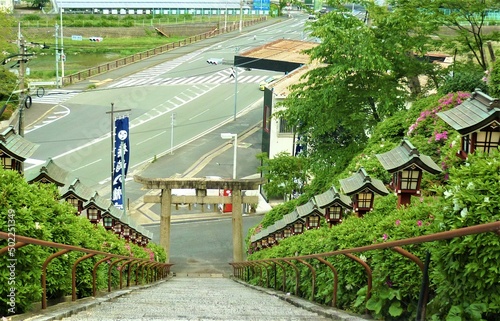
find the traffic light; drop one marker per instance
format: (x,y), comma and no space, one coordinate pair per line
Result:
(95,39)
(214,61)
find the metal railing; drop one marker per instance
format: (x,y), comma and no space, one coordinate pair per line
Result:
(122,62)
(150,271)
(247,269)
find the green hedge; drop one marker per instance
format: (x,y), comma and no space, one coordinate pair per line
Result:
(34,210)
(463,272)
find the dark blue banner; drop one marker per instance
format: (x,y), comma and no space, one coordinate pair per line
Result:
(121,158)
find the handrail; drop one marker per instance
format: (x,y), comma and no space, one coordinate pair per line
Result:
(65,248)
(393,245)
(476,229)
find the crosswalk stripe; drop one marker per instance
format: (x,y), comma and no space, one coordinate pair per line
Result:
(221,77)
(55,96)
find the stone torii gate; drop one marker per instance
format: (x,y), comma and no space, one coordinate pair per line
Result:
(201,185)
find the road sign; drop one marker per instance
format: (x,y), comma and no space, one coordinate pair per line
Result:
(77,38)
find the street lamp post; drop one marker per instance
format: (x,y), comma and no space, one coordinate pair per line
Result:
(231,136)
(241,15)
(62,57)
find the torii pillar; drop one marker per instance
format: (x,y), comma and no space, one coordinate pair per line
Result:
(201,185)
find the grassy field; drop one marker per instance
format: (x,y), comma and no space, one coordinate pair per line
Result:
(122,36)
(83,54)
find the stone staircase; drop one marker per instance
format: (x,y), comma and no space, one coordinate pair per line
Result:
(207,298)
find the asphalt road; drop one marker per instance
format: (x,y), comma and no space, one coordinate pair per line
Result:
(199,246)
(75,133)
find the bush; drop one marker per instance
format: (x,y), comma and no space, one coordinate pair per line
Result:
(463,271)
(32,17)
(34,210)
(493,79)
(465,78)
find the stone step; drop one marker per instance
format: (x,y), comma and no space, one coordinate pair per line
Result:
(200,299)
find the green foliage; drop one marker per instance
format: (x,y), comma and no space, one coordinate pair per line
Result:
(31,17)
(465,194)
(34,210)
(493,79)
(285,174)
(466,20)
(469,199)
(7,99)
(465,77)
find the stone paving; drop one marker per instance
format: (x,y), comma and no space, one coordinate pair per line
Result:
(204,299)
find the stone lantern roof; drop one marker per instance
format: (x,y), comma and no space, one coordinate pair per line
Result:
(478,111)
(404,156)
(332,196)
(15,145)
(50,172)
(361,181)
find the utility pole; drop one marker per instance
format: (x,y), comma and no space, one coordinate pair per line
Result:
(172,122)
(57,57)
(62,45)
(241,15)
(22,49)
(235,86)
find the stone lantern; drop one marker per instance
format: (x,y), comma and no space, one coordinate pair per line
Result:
(362,189)
(310,214)
(334,205)
(95,207)
(406,164)
(76,194)
(294,224)
(478,121)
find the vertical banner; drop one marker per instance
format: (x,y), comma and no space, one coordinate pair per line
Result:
(299,145)
(121,151)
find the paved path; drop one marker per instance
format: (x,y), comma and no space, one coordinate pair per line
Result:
(207,299)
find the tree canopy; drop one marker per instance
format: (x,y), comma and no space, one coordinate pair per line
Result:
(367,70)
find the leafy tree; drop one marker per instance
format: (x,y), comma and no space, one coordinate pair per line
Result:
(363,78)
(38,3)
(286,174)
(9,80)
(466,19)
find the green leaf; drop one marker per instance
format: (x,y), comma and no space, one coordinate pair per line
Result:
(374,304)
(395,309)
(454,314)
(359,301)
(476,310)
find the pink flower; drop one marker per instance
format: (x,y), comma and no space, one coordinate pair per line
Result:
(419,223)
(398,222)
(441,136)
(384,237)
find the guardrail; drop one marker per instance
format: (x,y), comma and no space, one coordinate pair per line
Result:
(122,62)
(248,269)
(154,270)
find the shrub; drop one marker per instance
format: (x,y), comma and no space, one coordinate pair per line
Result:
(34,210)
(465,78)
(493,80)
(32,17)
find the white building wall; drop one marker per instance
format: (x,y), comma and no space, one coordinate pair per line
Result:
(279,142)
